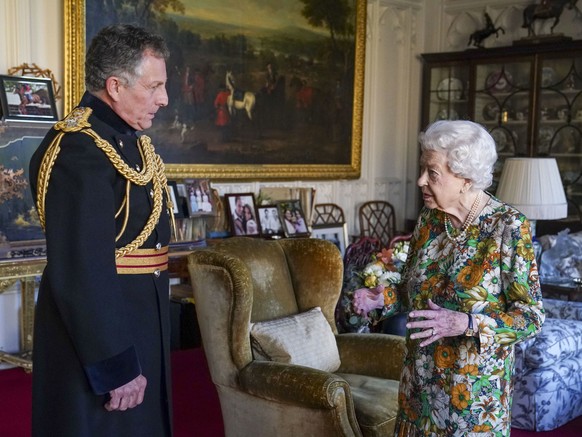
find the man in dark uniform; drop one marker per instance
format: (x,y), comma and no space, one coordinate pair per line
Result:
(101,340)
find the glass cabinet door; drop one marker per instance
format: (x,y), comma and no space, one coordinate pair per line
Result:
(502,101)
(560,120)
(448,98)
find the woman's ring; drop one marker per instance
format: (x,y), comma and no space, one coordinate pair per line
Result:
(431,332)
(434,331)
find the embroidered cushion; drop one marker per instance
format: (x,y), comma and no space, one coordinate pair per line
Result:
(305,339)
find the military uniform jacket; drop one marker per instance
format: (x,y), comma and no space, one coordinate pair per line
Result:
(95,329)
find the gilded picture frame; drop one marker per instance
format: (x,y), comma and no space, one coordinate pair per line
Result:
(295,143)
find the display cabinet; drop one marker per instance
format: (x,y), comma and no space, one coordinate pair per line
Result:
(529,97)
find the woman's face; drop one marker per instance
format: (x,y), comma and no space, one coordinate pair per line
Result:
(440,187)
(248,213)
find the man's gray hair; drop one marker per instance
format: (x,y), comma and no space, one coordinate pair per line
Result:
(118,50)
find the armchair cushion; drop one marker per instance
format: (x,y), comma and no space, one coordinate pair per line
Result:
(558,340)
(304,339)
(375,402)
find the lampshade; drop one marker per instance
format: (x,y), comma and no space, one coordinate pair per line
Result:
(534,187)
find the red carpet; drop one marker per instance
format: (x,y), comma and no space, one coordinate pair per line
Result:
(196,406)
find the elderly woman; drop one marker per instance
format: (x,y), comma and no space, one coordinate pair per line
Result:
(472,288)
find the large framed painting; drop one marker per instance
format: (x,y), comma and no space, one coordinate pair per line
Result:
(20,232)
(258,90)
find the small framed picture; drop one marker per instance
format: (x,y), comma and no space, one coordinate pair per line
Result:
(177,200)
(243,214)
(270,222)
(336,233)
(293,218)
(24,98)
(198,197)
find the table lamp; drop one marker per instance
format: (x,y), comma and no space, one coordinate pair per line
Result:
(534,187)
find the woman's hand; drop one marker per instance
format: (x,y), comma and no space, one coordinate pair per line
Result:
(436,323)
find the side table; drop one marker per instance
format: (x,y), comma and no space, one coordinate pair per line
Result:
(568,292)
(23,270)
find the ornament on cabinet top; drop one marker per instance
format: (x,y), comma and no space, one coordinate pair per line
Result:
(477,37)
(545,10)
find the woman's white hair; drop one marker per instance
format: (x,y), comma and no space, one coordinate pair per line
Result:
(469,149)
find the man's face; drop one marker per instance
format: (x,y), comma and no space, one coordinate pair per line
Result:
(238,206)
(139,103)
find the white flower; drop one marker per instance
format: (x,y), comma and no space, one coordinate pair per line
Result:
(439,404)
(389,278)
(462,425)
(491,280)
(424,366)
(401,256)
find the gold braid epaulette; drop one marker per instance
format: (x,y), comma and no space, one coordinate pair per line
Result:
(153,170)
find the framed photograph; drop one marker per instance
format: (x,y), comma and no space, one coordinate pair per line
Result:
(243,214)
(198,197)
(178,200)
(336,233)
(299,111)
(270,222)
(24,98)
(293,218)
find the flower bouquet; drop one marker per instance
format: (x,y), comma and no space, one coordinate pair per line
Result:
(370,295)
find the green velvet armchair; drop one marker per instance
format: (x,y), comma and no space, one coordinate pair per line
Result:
(242,280)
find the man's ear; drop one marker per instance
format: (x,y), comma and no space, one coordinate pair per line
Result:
(112,85)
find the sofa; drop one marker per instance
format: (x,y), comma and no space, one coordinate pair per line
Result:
(548,371)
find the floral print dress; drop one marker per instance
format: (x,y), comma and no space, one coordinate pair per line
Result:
(462,386)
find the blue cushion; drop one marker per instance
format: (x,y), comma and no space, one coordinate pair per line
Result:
(558,340)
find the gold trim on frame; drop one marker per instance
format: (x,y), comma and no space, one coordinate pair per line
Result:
(74,79)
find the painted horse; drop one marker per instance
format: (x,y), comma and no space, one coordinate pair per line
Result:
(545,10)
(239,99)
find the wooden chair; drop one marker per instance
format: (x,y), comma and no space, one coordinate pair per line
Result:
(399,238)
(377,220)
(327,213)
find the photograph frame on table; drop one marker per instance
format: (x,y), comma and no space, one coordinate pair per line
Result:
(270,221)
(237,224)
(27,99)
(177,200)
(288,210)
(198,197)
(316,133)
(337,233)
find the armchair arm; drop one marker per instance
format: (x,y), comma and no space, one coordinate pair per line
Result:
(380,355)
(293,384)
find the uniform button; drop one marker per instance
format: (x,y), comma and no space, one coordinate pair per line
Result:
(158,246)
(137,167)
(157,273)
(151,193)
(121,144)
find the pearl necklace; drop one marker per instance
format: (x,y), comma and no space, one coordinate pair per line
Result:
(472,214)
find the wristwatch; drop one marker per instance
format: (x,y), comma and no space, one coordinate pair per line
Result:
(469,332)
